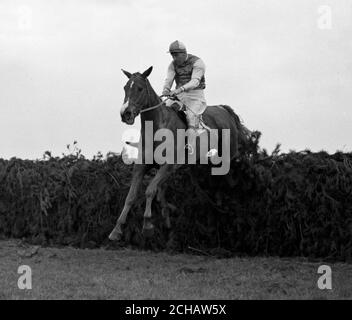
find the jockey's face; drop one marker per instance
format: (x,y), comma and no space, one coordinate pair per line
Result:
(179,57)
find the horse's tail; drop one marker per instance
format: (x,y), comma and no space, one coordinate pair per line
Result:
(244,133)
(248,140)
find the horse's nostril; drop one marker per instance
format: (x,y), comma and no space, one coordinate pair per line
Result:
(127,116)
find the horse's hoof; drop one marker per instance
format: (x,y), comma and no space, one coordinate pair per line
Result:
(115,235)
(148,232)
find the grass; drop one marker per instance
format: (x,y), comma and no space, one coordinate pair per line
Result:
(69,273)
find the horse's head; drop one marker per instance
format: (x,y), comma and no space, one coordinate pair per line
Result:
(136,95)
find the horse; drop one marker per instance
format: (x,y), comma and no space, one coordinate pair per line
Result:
(141,99)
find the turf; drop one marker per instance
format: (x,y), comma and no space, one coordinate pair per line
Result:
(68,273)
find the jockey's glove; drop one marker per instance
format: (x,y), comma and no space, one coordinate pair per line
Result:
(166,92)
(177,91)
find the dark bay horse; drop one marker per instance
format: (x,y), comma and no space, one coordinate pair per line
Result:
(140,98)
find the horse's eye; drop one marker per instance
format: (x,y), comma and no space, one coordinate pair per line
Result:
(140,88)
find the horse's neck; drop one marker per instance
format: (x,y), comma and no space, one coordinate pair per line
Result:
(156,115)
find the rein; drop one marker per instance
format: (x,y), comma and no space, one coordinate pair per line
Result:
(156,106)
(159,104)
(153,107)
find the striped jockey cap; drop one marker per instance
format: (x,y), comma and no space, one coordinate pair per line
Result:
(177,46)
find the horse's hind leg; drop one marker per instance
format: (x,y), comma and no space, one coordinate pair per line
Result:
(166,207)
(137,177)
(152,189)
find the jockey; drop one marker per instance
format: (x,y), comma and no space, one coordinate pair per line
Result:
(188,72)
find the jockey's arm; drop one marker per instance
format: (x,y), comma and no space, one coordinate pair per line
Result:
(197,74)
(169,79)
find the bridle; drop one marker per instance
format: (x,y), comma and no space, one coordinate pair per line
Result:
(159,104)
(156,106)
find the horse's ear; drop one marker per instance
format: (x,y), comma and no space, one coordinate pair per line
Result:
(146,73)
(127,73)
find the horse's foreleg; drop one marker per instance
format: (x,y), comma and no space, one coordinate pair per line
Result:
(138,173)
(152,189)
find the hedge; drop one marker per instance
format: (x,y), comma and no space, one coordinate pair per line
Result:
(282,204)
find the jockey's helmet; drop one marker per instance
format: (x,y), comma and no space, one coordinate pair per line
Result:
(177,46)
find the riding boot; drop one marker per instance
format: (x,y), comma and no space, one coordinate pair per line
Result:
(192,143)
(213,145)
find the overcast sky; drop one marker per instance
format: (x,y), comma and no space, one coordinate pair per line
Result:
(275,62)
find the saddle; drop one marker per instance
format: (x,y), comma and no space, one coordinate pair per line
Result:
(180,111)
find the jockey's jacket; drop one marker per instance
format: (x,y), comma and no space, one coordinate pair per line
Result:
(190,74)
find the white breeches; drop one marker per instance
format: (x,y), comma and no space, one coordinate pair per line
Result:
(195,103)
